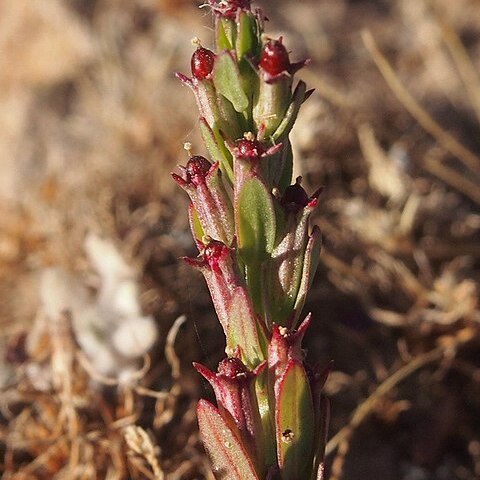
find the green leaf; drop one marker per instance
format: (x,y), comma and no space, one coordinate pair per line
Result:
(195,225)
(262,391)
(225,29)
(292,112)
(222,442)
(294,422)
(247,41)
(228,82)
(285,178)
(255,221)
(216,149)
(270,104)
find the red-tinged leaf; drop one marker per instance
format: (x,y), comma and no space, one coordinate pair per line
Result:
(294,422)
(287,265)
(222,442)
(205,96)
(321,472)
(322,420)
(242,329)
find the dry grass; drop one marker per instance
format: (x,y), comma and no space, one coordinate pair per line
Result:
(92,121)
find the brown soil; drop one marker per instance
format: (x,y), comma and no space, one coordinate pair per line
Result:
(92,122)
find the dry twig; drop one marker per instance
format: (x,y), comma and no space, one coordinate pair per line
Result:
(444,138)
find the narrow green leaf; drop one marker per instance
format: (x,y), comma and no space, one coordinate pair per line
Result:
(217,150)
(228,82)
(247,42)
(262,392)
(292,111)
(254,278)
(310,264)
(285,178)
(294,421)
(222,442)
(195,225)
(277,168)
(224,34)
(255,222)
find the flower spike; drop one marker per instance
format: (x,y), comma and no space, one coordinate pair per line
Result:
(257,251)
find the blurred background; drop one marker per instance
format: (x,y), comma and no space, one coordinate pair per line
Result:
(99,318)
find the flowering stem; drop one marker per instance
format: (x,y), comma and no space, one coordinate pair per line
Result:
(257,252)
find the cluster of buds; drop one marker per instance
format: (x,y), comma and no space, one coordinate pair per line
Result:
(257,252)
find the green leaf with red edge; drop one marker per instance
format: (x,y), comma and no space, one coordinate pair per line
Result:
(294,423)
(228,82)
(322,419)
(242,329)
(255,221)
(222,442)
(310,264)
(291,114)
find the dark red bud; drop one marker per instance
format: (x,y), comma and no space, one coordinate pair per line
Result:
(249,148)
(214,252)
(197,169)
(211,255)
(274,58)
(229,8)
(232,367)
(202,63)
(295,197)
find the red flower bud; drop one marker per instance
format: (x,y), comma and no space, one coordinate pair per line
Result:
(235,393)
(214,253)
(216,263)
(248,148)
(295,198)
(202,63)
(232,368)
(285,345)
(228,8)
(202,181)
(275,63)
(197,169)
(274,58)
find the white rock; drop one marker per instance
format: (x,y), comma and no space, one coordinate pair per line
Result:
(135,336)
